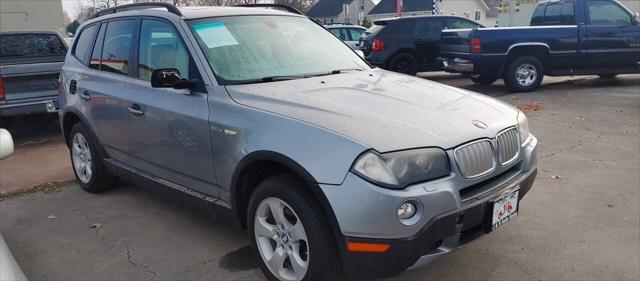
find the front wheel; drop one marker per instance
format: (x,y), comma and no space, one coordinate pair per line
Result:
(524,74)
(289,233)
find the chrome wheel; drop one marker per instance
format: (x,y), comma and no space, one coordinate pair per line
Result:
(81,157)
(281,239)
(526,74)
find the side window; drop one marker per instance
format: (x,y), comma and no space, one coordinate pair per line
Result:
(568,14)
(116,50)
(460,23)
(96,53)
(355,33)
(605,12)
(403,27)
(432,27)
(538,15)
(552,14)
(83,45)
(340,33)
(161,47)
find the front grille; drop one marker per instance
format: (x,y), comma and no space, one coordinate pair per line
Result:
(475,159)
(508,146)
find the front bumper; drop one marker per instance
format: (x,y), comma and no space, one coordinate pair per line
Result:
(450,218)
(8,109)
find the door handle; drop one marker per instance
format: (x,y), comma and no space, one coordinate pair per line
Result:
(85,95)
(73,84)
(135,110)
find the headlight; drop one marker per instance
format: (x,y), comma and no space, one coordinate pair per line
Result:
(523,126)
(402,168)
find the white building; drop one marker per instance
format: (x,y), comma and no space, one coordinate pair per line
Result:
(18,15)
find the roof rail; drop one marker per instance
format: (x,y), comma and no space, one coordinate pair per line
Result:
(281,6)
(171,8)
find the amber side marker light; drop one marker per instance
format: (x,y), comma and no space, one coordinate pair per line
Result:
(367,247)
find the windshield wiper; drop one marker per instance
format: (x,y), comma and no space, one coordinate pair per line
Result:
(338,71)
(282,77)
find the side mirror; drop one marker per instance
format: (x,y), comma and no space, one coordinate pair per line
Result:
(170,78)
(6,144)
(360,53)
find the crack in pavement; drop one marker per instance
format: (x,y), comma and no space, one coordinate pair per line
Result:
(137,265)
(108,240)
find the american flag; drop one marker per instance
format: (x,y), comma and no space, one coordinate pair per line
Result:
(436,7)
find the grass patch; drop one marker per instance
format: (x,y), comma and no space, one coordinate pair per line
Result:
(47,187)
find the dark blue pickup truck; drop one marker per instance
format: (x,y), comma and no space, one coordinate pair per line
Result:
(566,37)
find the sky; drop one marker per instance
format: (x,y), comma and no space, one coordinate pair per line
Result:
(69,6)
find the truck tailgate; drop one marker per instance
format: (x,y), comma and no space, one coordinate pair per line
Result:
(455,41)
(30,81)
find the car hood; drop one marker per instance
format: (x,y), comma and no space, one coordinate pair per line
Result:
(382,109)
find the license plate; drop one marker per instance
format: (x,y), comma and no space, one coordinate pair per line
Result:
(504,209)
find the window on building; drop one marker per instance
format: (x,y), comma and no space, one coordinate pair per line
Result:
(478,15)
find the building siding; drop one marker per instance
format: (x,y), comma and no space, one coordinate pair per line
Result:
(21,15)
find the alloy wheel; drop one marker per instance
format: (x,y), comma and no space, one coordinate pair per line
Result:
(526,74)
(81,158)
(282,240)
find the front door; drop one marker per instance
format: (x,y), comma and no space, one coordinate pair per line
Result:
(169,128)
(610,41)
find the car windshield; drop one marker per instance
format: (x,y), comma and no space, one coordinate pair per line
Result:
(255,49)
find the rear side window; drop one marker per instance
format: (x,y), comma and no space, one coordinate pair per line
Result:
(538,15)
(116,47)
(355,33)
(83,45)
(31,45)
(460,23)
(403,27)
(554,14)
(430,27)
(161,47)
(604,12)
(340,33)
(96,54)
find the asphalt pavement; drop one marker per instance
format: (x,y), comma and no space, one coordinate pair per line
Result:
(580,221)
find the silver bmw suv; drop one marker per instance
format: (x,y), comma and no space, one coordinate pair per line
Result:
(335,168)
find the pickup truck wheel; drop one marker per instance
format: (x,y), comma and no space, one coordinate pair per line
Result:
(289,233)
(607,76)
(524,74)
(404,63)
(87,164)
(483,80)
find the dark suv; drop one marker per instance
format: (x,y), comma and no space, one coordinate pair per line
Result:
(411,44)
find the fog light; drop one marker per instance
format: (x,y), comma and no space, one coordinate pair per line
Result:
(406,211)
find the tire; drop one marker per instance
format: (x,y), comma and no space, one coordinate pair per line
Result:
(524,74)
(84,154)
(300,209)
(607,76)
(483,80)
(404,63)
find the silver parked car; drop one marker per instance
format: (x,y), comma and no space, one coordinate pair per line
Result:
(333,167)
(350,34)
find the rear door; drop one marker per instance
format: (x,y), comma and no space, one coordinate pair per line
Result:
(103,88)
(170,128)
(611,41)
(427,39)
(30,65)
